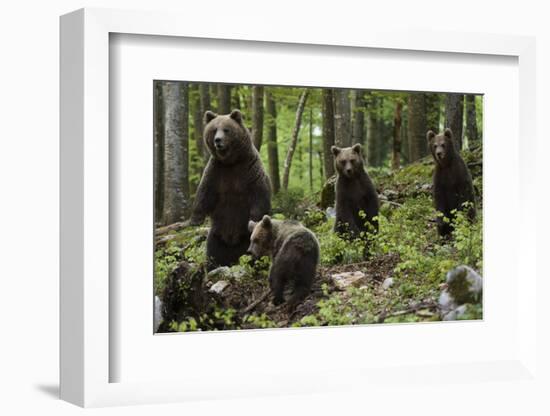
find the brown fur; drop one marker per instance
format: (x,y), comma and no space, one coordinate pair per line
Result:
(355,192)
(295,255)
(452,182)
(233,189)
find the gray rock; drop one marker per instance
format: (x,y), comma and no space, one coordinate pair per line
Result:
(388,282)
(218,273)
(455,314)
(219,287)
(347,279)
(330,212)
(157,316)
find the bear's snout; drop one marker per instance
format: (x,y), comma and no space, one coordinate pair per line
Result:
(218,142)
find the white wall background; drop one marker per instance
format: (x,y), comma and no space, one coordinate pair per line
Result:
(29,102)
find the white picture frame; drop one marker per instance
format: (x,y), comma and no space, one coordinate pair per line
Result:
(85,352)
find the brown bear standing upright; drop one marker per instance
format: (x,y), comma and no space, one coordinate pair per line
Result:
(355,193)
(295,255)
(452,183)
(234,188)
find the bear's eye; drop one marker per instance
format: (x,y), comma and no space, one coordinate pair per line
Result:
(443,145)
(226,130)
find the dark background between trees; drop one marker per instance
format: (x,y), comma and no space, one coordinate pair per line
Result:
(294,128)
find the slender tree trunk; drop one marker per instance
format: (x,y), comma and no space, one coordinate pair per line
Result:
(418,146)
(198,125)
(176,150)
(381,133)
(433,110)
(396,157)
(471,120)
(359,117)
(294,138)
(272,147)
(454,116)
(372,129)
(311,150)
(204,90)
(342,118)
(257,116)
(224,99)
(158,110)
(328,131)
(321,172)
(236,98)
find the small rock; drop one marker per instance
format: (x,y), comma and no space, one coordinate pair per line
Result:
(330,212)
(346,279)
(390,194)
(426,187)
(446,302)
(218,273)
(157,317)
(219,287)
(388,282)
(455,314)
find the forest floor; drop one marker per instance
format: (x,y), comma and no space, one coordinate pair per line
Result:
(401,278)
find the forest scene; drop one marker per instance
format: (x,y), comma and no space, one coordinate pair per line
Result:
(280,207)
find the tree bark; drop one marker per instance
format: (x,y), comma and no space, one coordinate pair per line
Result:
(311,150)
(418,146)
(176,150)
(396,156)
(204,90)
(372,129)
(342,118)
(471,120)
(224,99)
(257,116)
(359,118)
(272,146)
(294,137)
(328,130)
(158,110)
(198,126)
(432,112)
(454,116)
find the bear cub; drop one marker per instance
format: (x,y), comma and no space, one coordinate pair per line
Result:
(355,192)
(294,251)
(233,189)
(452,182)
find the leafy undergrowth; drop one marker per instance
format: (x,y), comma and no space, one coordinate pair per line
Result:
(406,249)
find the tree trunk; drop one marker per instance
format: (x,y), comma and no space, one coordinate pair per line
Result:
(396,156)
(342,118)
(198,126)
(432,112)
(272,147)
(176,150)
(372,129)
(204,90)
(328,130)
(454,116)
(418,146)
(235,99)
(158,110)
(471,120)
(359,118)
(257,116)
(311,150)
(224,99)
(294,138)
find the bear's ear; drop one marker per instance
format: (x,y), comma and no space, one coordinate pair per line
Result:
(448,133)
(251,226)
(357,148)
(335,150)
(266,221)
(209,116)
(237,116)
(430,135)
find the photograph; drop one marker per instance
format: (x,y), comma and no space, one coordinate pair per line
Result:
(293,207)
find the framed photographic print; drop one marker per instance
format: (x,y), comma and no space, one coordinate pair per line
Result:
(262,213)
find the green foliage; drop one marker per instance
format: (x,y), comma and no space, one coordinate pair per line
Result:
(289,203)
(336,250)
(259,321)
(165,261)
